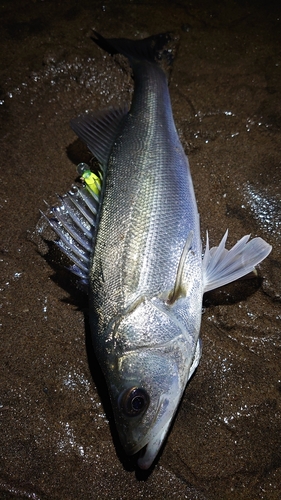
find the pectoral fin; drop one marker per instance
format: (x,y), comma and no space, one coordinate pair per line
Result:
(222,266)
(179,289)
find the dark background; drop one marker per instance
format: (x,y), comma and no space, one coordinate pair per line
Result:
(57,440)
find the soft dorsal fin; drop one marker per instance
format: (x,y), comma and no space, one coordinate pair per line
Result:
(99,129)
(222,266)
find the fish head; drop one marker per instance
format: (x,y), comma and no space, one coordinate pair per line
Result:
(147,379)
(145,401)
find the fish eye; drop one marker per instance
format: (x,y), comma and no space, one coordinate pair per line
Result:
(133,401)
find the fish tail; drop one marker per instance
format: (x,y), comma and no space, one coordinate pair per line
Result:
(159,49)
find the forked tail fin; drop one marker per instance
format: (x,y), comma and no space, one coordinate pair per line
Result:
(222,266)
(158,49)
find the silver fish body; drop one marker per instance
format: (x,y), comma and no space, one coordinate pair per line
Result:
(138,246)
(148,213)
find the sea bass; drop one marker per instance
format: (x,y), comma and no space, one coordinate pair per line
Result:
(133,234)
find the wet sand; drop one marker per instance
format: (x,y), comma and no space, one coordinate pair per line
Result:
(57,437)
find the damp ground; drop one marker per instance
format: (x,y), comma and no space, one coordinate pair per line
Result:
(57,436)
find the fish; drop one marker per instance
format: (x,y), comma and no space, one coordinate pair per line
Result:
(132,234)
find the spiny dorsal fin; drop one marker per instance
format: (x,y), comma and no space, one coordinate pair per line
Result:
(99,129)
(74,221)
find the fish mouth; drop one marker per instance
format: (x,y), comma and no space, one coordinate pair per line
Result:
(148,448)
(151,449)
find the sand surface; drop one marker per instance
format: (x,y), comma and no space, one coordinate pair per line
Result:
(57,437)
